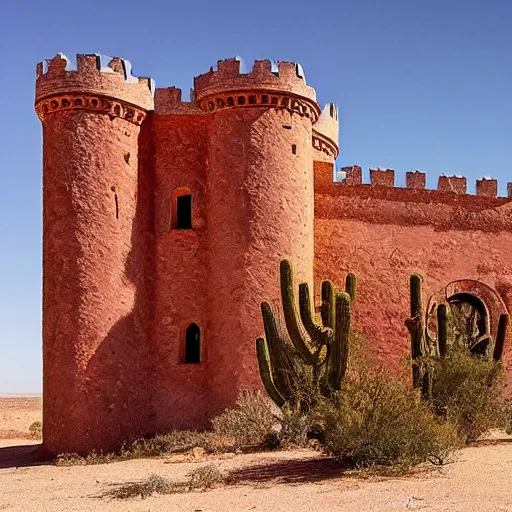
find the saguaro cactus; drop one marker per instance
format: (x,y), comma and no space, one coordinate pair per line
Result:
(424,349)
(416,329)
(308,350)
(442,329)
(500,336)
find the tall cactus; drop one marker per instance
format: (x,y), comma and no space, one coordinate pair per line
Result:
(500,337)
(442,329)
(422,347)
(320,349)
(350,286)
(416,329)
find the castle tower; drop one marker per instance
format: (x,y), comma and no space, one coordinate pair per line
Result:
(259,206)
(96,252)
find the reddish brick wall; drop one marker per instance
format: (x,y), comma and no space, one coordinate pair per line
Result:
(384,236)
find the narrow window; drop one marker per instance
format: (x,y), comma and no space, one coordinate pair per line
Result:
(184,212)
(192,344)
(181,214)
(294,149)
(116,201)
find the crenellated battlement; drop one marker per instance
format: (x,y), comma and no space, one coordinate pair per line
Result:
(98,83)
(168,102)
(455,184)
(279,85)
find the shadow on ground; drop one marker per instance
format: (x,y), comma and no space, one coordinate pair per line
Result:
(20,456)
(491,442)
(290,471)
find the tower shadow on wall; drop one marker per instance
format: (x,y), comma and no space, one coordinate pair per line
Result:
(120,399)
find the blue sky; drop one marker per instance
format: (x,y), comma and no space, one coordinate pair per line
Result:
(419,85)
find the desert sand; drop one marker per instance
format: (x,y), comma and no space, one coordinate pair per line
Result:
(478,479)
(17,413)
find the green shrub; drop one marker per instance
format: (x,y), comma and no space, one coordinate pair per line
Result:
(382,422)
(248,422)
(466,391)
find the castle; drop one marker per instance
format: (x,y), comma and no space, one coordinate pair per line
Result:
(164,222)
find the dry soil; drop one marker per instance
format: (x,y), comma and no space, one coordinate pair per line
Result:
(479,479)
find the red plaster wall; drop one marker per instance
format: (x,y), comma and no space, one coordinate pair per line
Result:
(95,298)
(260,210)
(180,390)
(384,236)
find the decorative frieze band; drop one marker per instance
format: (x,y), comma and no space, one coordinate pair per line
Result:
(325,145)
(235,99)
(93,103)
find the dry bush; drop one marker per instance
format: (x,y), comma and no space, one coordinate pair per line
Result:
(204,478)
(295,427)
(507,415)
(248,422)
(176,441)
(466,391)
(36,429)
(155,484)
(382,422)
(199,479)
(92,458)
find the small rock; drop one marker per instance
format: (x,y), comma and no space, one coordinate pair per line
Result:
(198,452)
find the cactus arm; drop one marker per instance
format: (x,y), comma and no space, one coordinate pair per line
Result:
(290,314)
(338,350)
(351,286)
(442,330)
(281,360)
(266,372)
(500,336)
(415,285)
(319,335)
(328,310)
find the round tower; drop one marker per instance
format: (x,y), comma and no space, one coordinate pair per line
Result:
(96,208)
(260,206)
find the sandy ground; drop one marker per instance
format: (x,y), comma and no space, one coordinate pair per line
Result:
(479,479)
(17,414)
